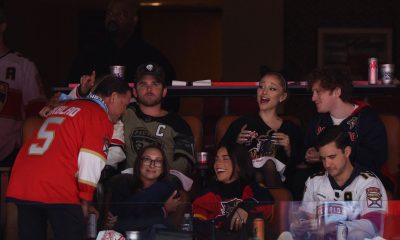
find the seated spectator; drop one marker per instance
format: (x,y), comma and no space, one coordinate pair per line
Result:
(146,122)
(344,193)
(230,205)
(331,93)
(143,200)
(121,45)
(268,136)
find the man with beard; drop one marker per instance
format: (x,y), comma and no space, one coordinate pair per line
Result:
(146,122)
(121,46)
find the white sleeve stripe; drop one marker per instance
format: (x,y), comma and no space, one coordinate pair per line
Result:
(115,155)
(74,93)
(118,132)
(91,152)
(89,167)
(87,182)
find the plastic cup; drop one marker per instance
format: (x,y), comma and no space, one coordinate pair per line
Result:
(118,71)
(387,71)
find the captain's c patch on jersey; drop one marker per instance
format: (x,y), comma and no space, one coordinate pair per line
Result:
(374,197)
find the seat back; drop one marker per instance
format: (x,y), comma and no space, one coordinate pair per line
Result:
(222,125)
(280,219)
(197,130)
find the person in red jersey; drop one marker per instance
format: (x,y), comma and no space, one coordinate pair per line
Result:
(56,171)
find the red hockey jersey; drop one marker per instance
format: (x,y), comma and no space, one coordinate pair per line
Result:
(63,160)
(213,205)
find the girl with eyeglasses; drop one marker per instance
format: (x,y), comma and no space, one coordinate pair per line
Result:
(143,201)
(229,206)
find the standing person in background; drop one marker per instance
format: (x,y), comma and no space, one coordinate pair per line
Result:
(21,96)
(57,169)
(268,136)
(331,93)
(122,45)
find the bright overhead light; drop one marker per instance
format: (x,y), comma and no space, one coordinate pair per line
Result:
(151,4)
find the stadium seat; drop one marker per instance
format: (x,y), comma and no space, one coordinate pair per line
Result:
(280,219)
(197,130)
(222,125)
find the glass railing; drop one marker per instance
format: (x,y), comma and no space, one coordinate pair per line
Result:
(287,220)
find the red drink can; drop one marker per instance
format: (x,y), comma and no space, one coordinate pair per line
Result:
(258,228)
(372,71)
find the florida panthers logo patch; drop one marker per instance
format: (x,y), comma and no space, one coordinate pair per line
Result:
(374,197)
(352,122)
(229,206)
(3,94)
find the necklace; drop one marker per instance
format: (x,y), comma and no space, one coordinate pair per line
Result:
(98,100)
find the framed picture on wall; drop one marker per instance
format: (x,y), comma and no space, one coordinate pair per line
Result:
(350,48)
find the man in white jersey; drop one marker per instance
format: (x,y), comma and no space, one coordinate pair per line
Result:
(342,194)
(21,95)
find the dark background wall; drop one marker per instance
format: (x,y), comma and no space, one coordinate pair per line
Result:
(204,39)
(303,18)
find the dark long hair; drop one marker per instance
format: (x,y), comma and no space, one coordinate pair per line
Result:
(240,158)
(333,134)
(137,181)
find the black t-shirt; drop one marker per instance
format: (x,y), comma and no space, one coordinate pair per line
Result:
(261,146)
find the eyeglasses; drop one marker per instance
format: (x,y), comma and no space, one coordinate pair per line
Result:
(158,163)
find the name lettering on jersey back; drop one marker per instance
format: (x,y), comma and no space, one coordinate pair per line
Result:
(159,132)
(65,110)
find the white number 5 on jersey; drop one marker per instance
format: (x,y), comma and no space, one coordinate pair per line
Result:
(47,135)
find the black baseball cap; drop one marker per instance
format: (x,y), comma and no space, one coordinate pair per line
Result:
(152,69)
